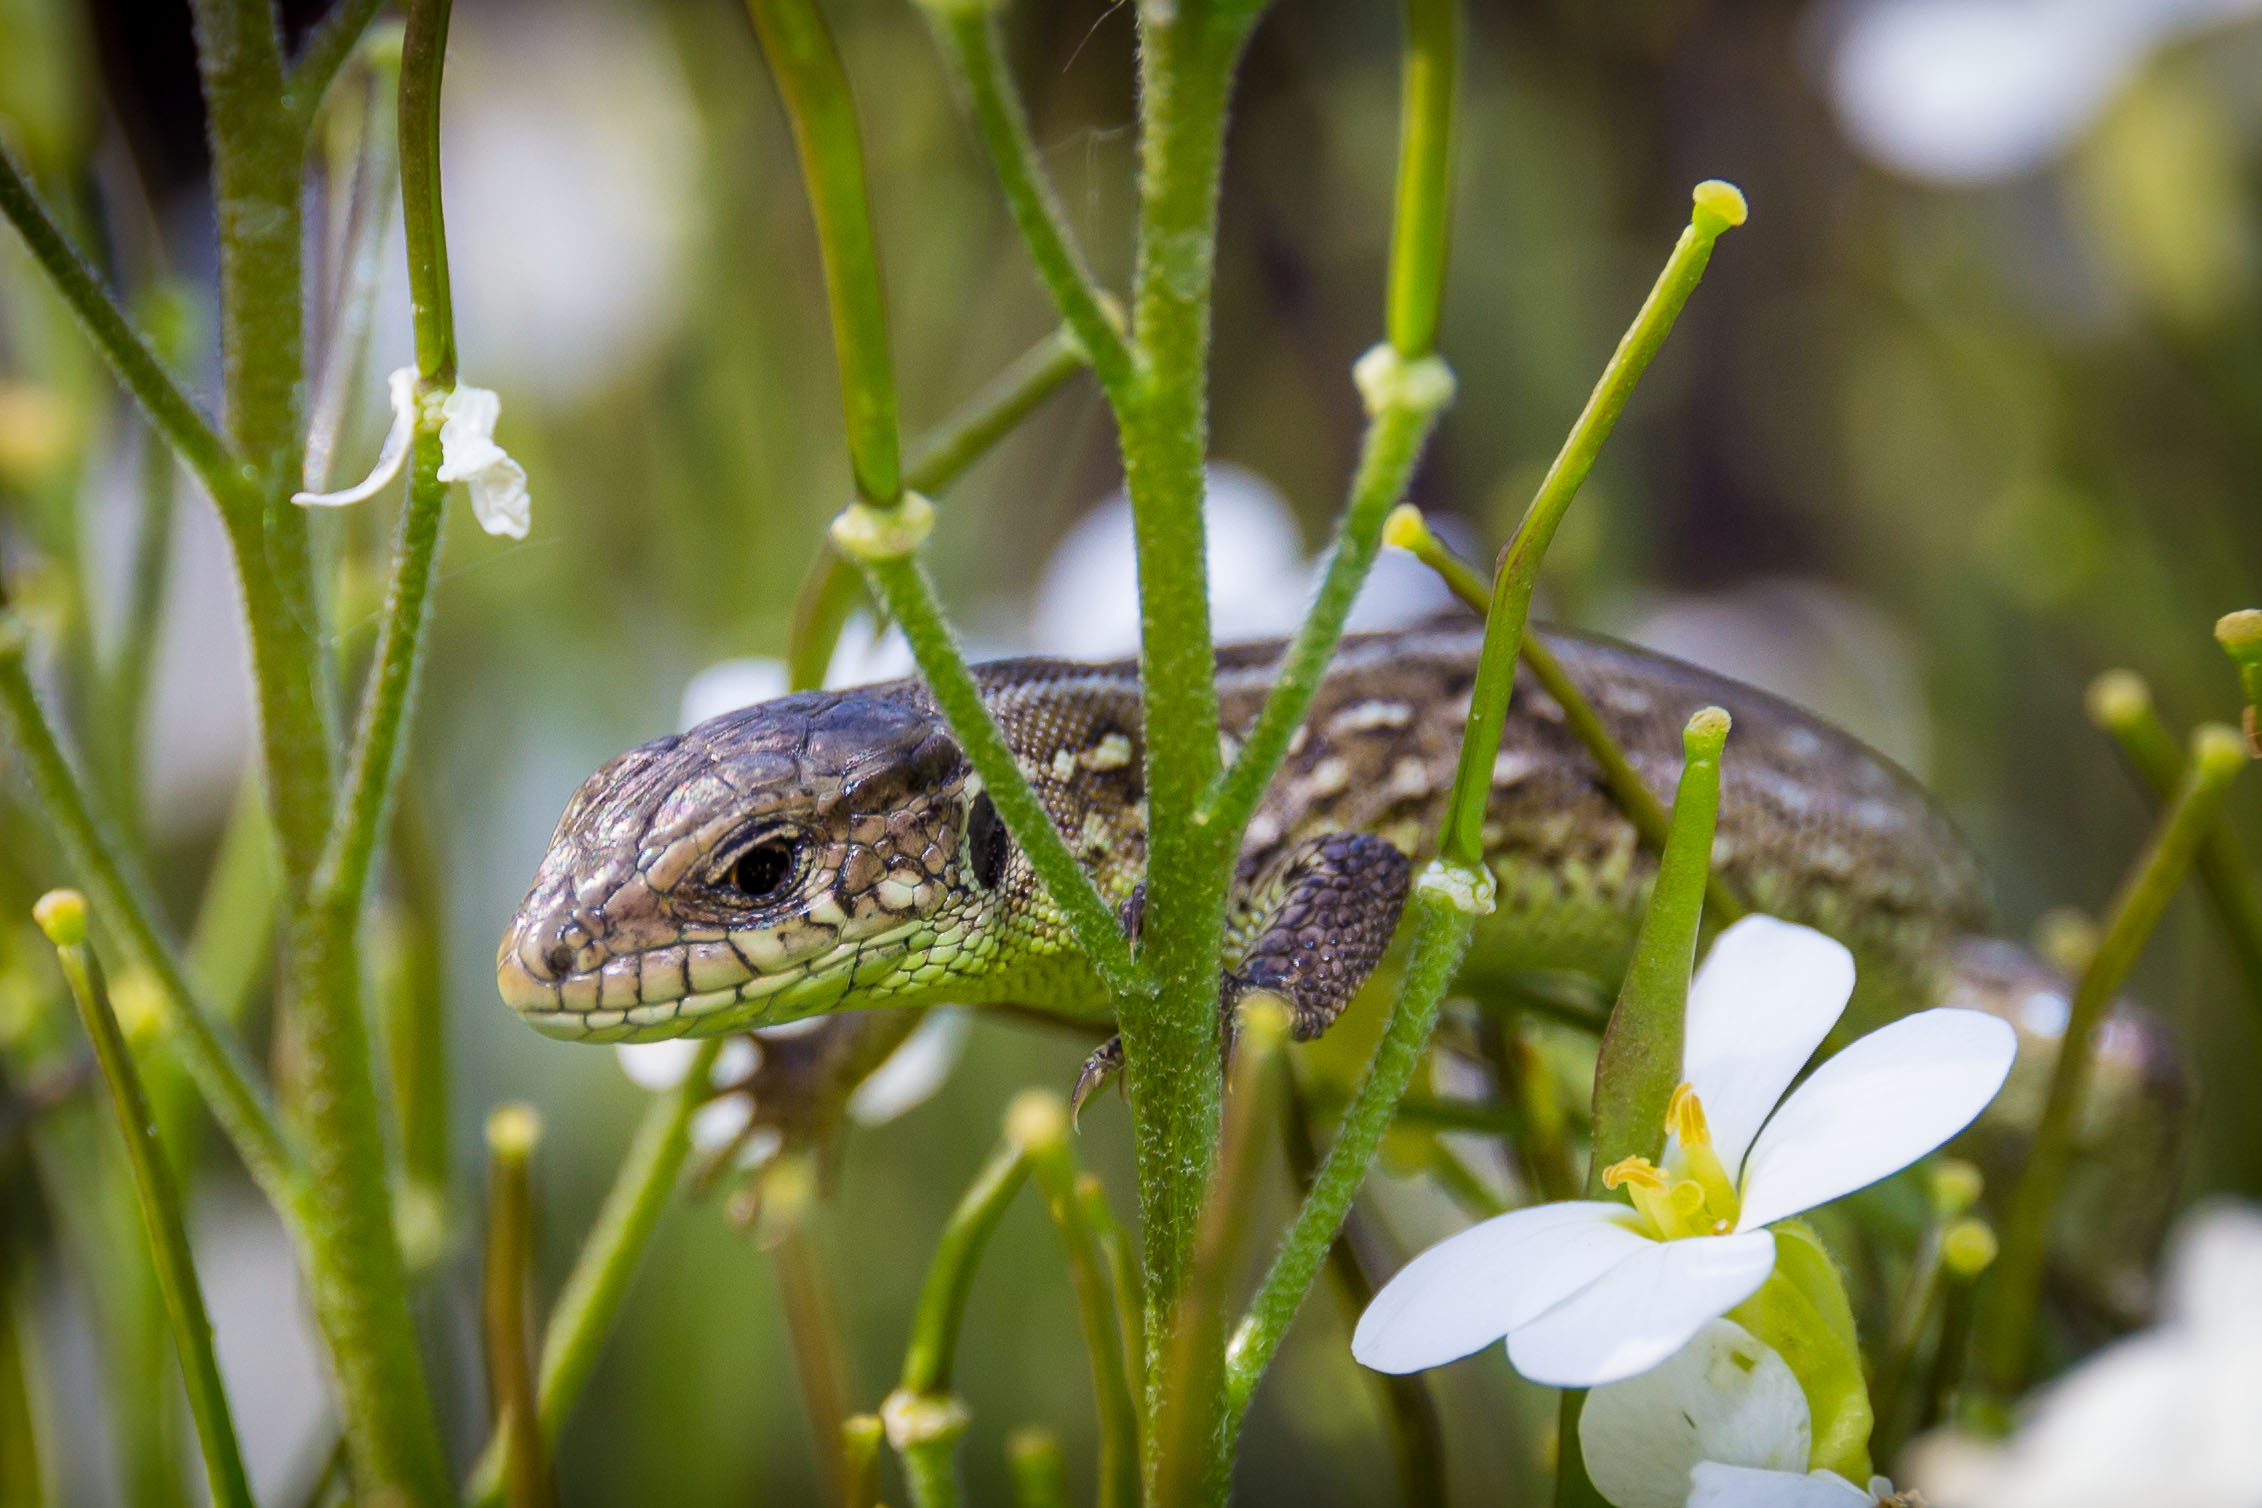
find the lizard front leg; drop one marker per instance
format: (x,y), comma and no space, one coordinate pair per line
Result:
(1311,924)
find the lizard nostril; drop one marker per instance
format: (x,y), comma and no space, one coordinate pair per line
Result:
(559,958)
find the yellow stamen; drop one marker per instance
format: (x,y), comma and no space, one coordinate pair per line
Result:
(1684,1120)
(1672,1208)
(1639,1172)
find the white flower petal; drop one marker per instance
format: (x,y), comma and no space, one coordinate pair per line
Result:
(1470,1289)
(1725,1396)
(728,685)
(914,1071)
(499,499)
(1875,1108)
(656,1066)
(1641,1311)
(1765,997)
(400,388)
(1713,1485)
(735,1062)
(2214,1281)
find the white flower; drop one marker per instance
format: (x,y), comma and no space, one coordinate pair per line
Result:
(1589,1292)
(914,1071)
(468,453)
(1974,91)
(2166,1416)
(1722,1423)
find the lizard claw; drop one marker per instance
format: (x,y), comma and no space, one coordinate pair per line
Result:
(1104,1064)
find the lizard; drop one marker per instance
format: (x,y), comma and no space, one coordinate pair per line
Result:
(834,850)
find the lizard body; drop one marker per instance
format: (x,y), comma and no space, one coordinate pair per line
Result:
(830,851)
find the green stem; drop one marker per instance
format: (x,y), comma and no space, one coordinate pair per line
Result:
(807,68)
(588,1303)
(1039,1122)
(1640,1062)
(1409,531)
(375,181)
(1445,906)
(137,363)
(2217,755)
(2240,634)
(223,1075)
(788,1194)
(830,591)
(1718,206)
(902,584)
(512,1134)
(1423,217)
(62,915)
(860,1436)
(942,1300)
(1040,1473)
(1194,1468)
(323,53)
(968,33)
(2121,704)
(1123,1280)
(23,1451)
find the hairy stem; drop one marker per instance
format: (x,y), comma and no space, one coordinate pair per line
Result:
(512,1134)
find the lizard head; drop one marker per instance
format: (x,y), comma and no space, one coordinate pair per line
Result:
(756,869)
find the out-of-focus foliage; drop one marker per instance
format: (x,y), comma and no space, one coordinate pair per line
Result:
(1927,456)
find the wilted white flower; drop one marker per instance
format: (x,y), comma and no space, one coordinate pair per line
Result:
(1589,1292)
(2166,1416)
(468,453)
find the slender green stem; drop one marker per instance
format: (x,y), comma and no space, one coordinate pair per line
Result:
(2217,755)
(901,583)
(967,31)
(226,1079)
(1718,206)
(512,1134)
(590,1299)
(1040,1472)
(860,1436)
(788,1198)
(62,915)
(138,365)
(23,1451)
(125,687)
(1445,907)
(925,1432)
(807,68)
(323,53)
(1968,1248)
(1417,1435)
(231,941)
(1404,399)
(1640,1062)
(940,456)
(831,589)
(1123,1279)
(1408,530)
(2240,634)
(1038,1122)
(1423,217)
(2121,704)
(928,1356)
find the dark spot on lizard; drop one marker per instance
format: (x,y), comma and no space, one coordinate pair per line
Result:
(987,842)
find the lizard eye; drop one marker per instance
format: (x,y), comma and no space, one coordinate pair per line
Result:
(762,871)
(986,838)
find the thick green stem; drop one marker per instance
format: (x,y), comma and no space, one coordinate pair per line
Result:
(2121,704)
(138,365)
(62,914)
(1192,1467)
(1640,1062)
(807,68)
(586,1306)
(2217,755)
(512,1133)
(968,33)
(223,1075)
(1039,1122)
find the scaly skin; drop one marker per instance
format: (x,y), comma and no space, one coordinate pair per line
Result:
(895,884)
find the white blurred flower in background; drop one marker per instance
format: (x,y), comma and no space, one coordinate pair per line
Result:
(1086,604)
(2166,1416)
(1978,91)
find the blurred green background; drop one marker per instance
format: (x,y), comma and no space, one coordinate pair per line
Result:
(1970,411)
